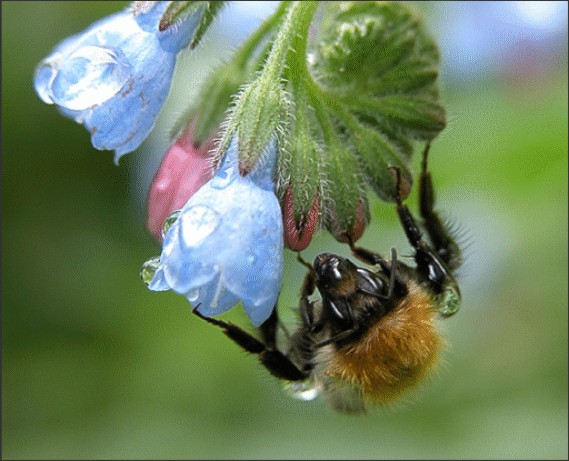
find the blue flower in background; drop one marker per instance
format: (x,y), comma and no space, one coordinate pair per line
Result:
(226,245)
(115,76)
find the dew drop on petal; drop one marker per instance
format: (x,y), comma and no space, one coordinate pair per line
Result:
(303,390)
(193,295)
(223,178)
(197,223)
(148,270)
(169,221)
(90,76)
(43,79)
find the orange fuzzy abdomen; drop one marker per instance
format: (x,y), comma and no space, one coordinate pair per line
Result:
(395,354)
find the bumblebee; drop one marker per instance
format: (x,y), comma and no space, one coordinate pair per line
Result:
(373,335)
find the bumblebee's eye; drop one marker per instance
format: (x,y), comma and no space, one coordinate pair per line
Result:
(448,301)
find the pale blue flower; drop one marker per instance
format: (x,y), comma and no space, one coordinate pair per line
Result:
(114,77)
(226,245)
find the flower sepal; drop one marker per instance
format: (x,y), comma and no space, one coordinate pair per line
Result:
(178,11)
(298,228)
(260,108)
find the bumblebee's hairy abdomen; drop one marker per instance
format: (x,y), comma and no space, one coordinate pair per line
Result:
(396,352)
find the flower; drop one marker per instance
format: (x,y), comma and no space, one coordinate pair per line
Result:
(184,169)
(227,243)
(114,77)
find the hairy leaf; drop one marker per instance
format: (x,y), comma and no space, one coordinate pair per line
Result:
(377,57)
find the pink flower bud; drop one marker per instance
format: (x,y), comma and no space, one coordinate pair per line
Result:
(354,233)
(184,169)
(297,235)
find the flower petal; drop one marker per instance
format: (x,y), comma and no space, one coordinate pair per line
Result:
(227,243)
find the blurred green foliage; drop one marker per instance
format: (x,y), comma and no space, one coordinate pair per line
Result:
(96,366)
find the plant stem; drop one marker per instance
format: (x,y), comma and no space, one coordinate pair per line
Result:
(296,23)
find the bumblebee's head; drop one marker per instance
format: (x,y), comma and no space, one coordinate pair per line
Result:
(334,274)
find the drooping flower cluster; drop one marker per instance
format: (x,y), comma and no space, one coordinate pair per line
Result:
(311,121)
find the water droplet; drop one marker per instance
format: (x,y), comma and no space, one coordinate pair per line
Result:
(304,390)
(169,221)
(90,76)
(193,295)
(148,270)
(197,223)
(449,302)
(42,80)
(223,178)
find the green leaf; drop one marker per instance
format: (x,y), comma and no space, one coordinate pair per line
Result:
(211,11)
(355,60)
(411,116)
(406,77)
(178,10)
(379,61)
(377,153)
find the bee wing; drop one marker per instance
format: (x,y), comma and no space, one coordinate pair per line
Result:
(342,396)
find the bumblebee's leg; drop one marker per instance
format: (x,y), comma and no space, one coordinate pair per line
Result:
(366,256)
(429,264)
(336,338)
(369,257)
(278,364)
(441,238)
(268,329)
(410,227)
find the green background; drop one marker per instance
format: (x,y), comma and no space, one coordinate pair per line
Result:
(96,366)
